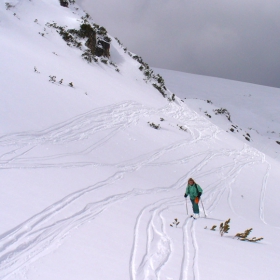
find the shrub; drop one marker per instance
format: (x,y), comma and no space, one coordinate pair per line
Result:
(176,222)
(154,125)
(243,236)
(160,89)
(213,227)
(102,31)
(86,30)
(36,70)
(223,111)
(224,227)
(182,127)
(52,79)
(88,56)
(172,98)
(105,61)
(9,6)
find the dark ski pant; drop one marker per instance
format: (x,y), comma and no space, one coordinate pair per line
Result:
(195,207)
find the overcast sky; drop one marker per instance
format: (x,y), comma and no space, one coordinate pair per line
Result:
(233,39)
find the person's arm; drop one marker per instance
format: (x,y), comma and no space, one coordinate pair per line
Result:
(200,191)
(187,191)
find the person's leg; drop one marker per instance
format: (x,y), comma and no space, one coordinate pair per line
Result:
(195,207)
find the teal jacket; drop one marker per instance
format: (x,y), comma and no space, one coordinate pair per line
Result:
(193,191)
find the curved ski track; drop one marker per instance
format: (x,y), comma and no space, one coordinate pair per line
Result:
(43,232)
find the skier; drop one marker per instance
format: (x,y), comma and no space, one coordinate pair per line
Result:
(195,191)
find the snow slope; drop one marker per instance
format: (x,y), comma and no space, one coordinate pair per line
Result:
(253,109)
(89,189)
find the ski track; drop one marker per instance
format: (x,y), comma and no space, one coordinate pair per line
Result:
(158,244)
(45,231)
(189,265)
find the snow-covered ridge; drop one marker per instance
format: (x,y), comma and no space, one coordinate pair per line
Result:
(94,165)
(247,111)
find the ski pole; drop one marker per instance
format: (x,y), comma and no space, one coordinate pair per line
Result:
(203,207)
(187,206)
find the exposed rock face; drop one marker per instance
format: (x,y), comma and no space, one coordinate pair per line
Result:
(64,3)
(91,42)
(97,41)
(99,46)
(103,48)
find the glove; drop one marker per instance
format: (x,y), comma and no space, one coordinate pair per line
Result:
(199,194)
(196,200)
(185,195)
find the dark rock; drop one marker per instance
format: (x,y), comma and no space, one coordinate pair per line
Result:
(64,3)
(105,46)
(91,42)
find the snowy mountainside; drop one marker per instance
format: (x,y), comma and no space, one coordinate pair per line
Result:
(250,112)
(51,56)
(93,174)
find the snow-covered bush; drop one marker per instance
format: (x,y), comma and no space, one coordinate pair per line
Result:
(87,55)
(182,127)
(157,80)
(105,61)
(155,126)
(52,79)
(9,6)
(222,111)
(36,70)
(172,98)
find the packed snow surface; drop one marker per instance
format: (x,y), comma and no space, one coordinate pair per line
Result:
(90,188)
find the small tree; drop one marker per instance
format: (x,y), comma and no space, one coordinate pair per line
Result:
(224,227)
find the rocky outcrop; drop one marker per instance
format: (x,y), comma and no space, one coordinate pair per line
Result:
(64,3)
(91,42)
(97,42)
(102,48)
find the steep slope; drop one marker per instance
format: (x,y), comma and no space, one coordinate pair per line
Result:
(31,43)
(92,175)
